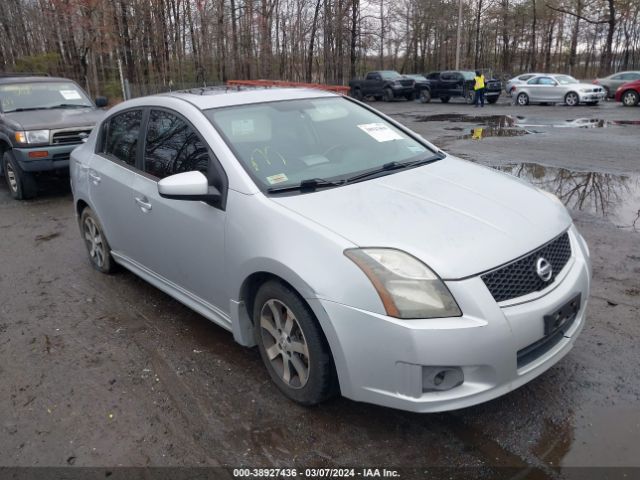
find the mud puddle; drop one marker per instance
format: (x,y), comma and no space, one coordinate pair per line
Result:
(599,437)
(614,197)
(520,121)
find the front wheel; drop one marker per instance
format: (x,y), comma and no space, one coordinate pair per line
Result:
(292,345)
(22,185)
(630,98)
(94,239)
(388,95)
(522,99)
(425,96)
(572,99)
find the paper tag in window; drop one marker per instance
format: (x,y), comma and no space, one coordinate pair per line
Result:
(416,148)
(70,94)
(380,132)
(242,127)
(279,178)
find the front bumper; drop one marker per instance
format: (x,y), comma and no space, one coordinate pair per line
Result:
(381,359)
(57,157)
(592,97)
(402,91)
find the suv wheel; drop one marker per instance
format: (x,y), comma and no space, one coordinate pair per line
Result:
(292,345)
(425,95)
(470,97)
(388,95)
(97,246)
(22,185)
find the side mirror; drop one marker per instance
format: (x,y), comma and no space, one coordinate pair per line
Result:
(188,186)
(101,102)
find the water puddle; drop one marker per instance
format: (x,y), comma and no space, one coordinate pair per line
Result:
(602,437)
(614,197)
(519,121)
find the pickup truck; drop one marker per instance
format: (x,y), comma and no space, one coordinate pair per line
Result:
(42,119)
(459,83)
(383,85)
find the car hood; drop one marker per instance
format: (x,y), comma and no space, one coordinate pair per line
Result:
(54,119)
(459,218)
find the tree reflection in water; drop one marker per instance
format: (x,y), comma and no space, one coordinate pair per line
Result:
(616,197)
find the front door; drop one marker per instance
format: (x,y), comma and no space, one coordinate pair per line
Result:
(180,241)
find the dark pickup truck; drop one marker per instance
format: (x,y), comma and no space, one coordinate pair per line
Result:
(458,83)
(383,85)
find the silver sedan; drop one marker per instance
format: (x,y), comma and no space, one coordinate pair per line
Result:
(557,89)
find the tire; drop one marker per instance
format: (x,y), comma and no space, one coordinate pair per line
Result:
(522,99)
(357,94)
(22,185)
(312,378)
(492,100)
(410,97)
(388,95)
(445,99)
(425,95)
(96,242)
(630,98)
(572,99)
(469,97)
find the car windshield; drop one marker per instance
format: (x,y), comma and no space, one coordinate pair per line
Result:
(390,75)
(566,79)
(16,97)
(469,75)
(287,142)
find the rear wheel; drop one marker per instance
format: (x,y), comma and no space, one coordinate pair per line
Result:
(97,246)
(630,98)
(425,96)
(388,95)
(445,99)
(292,345)
(470,96)
(572,99)
(22,185)
(522,99)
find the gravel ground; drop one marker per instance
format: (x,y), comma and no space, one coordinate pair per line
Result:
(106,371)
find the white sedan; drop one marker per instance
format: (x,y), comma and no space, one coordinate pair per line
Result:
(557,89)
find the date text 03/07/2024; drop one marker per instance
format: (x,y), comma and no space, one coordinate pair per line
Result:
(315,473)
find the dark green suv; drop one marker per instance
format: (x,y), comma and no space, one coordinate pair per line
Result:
(42,119)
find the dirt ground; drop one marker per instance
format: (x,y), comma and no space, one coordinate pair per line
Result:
(107,371)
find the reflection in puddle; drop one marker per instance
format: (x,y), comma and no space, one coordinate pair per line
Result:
(615,197)
(511,121)
(479,133)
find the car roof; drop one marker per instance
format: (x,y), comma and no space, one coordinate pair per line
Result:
(217,97)
(31,79)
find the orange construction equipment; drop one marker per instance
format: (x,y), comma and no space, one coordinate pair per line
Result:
(281,83)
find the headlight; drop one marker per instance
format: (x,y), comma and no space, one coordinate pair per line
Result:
(407,287)
(33,136)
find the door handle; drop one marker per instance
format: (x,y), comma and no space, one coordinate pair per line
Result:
(95,179)
(143,203)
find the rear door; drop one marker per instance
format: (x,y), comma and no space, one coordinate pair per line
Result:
(180,241)
(111,173)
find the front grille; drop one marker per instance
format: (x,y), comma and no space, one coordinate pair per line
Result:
(520,278)
(406,83)
(68,137)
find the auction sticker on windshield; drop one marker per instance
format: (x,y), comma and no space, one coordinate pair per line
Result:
(70,95)
(380,132)
(279,178)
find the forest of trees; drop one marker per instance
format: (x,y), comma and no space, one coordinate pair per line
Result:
(163,44)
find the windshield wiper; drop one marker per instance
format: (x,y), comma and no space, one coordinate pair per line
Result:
(387,167)
(25,109)
(69,105)
(308,185)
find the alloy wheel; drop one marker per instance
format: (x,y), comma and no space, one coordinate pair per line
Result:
(571,99)
(630,99)
(523,99)
(284,343)
(94,241)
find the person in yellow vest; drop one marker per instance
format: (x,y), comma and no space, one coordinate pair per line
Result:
(479,89)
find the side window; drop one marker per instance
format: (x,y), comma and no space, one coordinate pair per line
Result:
(546,81)
(446,76)
(172,146)
(121,136)
(620,76)
(533,81)
(629,76)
